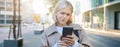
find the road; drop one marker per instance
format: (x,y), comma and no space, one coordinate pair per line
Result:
(98,39)
(33,40)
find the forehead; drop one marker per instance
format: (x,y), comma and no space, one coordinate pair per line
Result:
(66,10)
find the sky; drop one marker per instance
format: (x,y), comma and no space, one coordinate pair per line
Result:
(39,7)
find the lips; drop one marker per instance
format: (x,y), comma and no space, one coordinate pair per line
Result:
(63,20)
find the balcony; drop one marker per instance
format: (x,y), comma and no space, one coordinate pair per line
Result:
(112,2)
(109,1)
(6,12)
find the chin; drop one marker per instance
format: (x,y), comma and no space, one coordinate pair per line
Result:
(63,23)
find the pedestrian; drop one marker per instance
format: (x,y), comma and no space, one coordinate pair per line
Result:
(52,36)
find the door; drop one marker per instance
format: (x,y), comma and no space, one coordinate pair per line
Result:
(117,20)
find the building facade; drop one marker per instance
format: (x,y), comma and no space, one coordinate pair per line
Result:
(6,12)
(104,14)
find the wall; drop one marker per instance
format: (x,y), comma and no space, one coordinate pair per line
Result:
(111,10)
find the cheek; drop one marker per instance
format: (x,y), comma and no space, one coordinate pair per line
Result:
(67,18)
(58,16)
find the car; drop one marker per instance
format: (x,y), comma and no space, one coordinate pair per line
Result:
(38,31)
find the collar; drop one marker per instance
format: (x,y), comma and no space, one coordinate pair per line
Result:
(51,30)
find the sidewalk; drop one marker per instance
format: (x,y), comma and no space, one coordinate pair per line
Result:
(114,32)
(29,38)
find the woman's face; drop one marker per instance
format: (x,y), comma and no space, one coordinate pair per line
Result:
(63,15)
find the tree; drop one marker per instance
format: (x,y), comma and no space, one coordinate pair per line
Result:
(52,3)
(36,18)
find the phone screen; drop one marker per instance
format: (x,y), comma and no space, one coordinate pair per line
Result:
(67,30)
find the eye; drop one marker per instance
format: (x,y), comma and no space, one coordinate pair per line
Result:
(68,14)
(62,13)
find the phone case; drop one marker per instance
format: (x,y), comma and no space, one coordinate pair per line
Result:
(67,31)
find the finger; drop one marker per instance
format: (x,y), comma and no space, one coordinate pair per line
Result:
(68,41)
(70,36)
(66,38)
(62,43)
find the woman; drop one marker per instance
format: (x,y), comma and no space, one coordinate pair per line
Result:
(62,16)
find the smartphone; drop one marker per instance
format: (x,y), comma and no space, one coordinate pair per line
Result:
(67,30)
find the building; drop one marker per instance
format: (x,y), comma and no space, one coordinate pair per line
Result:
(76,11)
(6,12)
(104,14)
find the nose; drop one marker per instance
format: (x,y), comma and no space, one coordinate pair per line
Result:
(65,15)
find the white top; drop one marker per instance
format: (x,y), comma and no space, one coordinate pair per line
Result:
(59,29)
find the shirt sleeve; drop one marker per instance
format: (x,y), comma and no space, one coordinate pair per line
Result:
(55,45)
(75,44)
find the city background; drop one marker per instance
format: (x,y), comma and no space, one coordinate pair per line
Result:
(99,18)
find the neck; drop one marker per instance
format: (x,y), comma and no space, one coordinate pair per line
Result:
(61,25)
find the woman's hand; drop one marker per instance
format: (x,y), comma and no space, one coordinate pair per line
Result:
(62,44)
(68,40)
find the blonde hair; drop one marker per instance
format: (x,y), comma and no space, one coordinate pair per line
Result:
(60,5)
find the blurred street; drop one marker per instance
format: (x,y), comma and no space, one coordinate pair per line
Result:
(97,39)
(99,18)
(29,38)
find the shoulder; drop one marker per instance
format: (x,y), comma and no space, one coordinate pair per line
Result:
(50,29)
(76,26)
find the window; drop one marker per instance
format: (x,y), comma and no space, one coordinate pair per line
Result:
(2,21)
(9,21)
